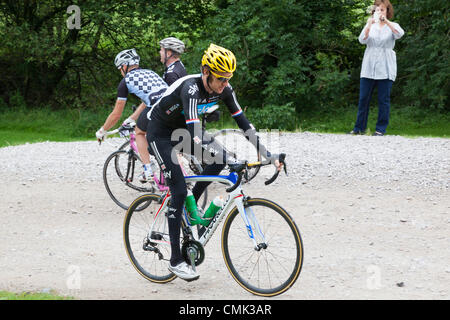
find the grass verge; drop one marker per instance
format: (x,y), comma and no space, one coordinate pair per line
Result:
(20,126)
(5,295)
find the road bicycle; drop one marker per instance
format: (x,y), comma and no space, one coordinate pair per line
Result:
(122,169)
(261,244)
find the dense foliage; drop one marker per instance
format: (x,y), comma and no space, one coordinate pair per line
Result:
(296,55)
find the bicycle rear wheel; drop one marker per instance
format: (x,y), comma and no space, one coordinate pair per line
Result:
(121,178)
(236,144)
(275,264)
(147,241)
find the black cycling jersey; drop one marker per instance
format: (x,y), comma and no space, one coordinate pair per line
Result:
(186,99)
(174,71)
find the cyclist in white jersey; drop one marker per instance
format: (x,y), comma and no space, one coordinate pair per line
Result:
(146,85)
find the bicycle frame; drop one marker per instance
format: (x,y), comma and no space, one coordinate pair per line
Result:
(234,198)
(159,182)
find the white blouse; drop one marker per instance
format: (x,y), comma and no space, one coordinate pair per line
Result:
(379,60)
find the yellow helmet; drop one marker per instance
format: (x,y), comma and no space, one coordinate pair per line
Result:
(219,59)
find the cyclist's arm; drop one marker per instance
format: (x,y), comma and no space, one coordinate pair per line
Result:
(115,115)
(238,115)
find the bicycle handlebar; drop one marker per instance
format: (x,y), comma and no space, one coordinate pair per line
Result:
(122,128)
(241,169)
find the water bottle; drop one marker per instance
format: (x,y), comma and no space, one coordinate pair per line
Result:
(191,207)
(213,208)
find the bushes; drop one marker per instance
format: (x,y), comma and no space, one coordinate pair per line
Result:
(292,54)
(424,54)
(274,117)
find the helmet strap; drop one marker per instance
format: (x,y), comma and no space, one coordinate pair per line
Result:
(166,57)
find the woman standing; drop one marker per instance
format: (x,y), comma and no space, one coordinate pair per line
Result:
(379,66)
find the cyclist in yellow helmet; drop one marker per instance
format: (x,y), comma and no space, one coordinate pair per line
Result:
(179,108)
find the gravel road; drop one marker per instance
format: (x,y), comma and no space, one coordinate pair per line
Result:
(373,214)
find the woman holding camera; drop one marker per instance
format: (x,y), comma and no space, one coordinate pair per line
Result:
(379,66)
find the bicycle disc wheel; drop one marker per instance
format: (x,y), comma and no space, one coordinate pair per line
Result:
(146,237)
(272,267)
(121,178)
(235,143)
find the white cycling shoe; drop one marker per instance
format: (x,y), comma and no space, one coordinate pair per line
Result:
(184,271)
(143,178)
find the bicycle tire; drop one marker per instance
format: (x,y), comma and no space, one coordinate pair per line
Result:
(124,145)
(248,272)
(235,143)
(121,191)
(148,263)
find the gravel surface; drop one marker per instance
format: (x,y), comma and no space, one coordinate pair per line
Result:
(373,213)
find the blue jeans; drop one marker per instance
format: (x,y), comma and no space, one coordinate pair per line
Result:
(366,87)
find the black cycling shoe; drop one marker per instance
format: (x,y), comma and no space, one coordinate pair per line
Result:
(378,134)
(353,132)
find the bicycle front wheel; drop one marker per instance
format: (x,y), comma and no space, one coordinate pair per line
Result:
(274,264)
(146,237)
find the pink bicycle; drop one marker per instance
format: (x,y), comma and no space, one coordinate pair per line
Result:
(123,167)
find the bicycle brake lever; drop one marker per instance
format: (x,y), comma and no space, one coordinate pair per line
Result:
(238,182)
(277,172)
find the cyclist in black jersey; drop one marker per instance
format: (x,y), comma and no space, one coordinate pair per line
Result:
(170,52)
(179,108)
(146,85)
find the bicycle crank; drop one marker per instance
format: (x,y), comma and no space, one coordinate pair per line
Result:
(193,252)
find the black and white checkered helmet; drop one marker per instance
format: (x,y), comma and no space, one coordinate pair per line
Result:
(173,44)
(128,57)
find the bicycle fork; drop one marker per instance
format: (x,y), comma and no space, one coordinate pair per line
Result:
(251,223)
(130,167)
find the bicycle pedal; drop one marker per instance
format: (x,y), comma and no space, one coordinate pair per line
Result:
(192,259)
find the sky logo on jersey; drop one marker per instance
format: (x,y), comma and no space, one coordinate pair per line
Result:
(193,89)
(202,108)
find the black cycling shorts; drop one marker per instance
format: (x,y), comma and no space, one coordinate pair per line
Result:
(142,121)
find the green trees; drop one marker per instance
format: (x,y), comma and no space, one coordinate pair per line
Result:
(297,55)
(47,59)
(424,54)
(288,51)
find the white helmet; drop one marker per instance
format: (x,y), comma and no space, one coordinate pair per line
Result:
(128,57)
(173,44)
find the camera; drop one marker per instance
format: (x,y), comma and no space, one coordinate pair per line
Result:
(376,16)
